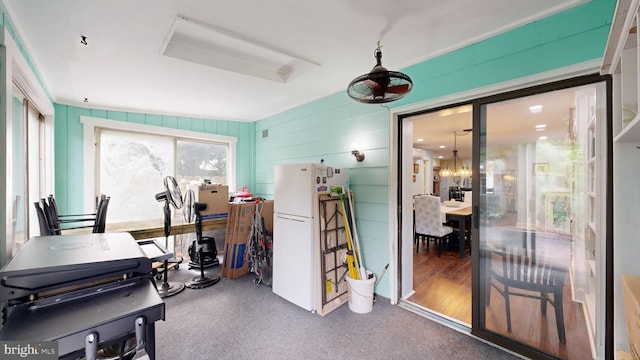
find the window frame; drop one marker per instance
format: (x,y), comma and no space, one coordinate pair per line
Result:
(92,127)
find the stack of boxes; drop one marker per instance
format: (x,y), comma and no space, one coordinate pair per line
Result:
(234,252)
(235,259)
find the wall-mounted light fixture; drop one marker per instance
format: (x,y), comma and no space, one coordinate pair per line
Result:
(358,154)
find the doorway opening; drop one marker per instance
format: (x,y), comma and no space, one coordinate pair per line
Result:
(442,154)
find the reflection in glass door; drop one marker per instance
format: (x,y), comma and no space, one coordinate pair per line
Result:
(537,233)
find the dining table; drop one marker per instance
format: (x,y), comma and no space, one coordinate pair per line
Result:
(459,212)
(146,229)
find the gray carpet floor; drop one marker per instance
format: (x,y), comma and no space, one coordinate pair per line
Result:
(236,319)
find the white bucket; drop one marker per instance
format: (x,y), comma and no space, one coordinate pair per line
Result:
(361,294)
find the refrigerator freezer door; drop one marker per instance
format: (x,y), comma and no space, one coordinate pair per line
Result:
(293,269)
(295,186)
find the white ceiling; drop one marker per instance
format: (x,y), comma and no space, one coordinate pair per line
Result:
(508,123)
(123,66)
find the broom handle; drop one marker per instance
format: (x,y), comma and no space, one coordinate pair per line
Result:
(359,259)
(353,271)
(381,274)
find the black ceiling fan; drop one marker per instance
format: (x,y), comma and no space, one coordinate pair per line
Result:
(379,85)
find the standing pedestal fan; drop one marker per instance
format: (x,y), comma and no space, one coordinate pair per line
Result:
(202,251)
(170,195)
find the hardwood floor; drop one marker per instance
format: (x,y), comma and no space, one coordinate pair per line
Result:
(443,285)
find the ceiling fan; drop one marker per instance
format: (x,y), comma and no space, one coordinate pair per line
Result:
(379,85)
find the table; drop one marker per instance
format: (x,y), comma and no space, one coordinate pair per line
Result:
(87,295)
(146,229)
(111,315)
(461,214)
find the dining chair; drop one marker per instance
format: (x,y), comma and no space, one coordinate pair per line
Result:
(45,229)
(512,267)
(428,222)
(100,222)
(56,222)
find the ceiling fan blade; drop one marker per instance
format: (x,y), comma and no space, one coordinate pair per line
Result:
(188,207)
(378,88)
(398,89)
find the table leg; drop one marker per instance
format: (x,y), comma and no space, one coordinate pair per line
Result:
(151,340)
(461,227)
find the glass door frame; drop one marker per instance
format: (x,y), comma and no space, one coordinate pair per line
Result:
(479,116)
(401,180)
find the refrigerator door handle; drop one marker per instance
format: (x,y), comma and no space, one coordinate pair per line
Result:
(291,218)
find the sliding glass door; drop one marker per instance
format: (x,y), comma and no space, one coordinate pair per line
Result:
(538,261)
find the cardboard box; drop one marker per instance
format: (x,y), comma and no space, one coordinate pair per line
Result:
(631,293)
(217,199)
(267,215)
(236,258)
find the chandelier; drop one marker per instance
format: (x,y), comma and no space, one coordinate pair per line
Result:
(456,170)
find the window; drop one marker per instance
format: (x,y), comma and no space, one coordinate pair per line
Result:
(198,161)
(132,160)
(132,169)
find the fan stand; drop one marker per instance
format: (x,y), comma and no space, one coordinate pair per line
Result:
(200,282)
(166,288)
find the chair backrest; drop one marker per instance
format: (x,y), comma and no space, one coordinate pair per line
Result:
(522,268)
(53,204)
(455,193)
(467,195)
(101,215)
(428,215)
(42,221)
(51,215)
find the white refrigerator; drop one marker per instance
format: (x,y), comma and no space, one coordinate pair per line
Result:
(294,253)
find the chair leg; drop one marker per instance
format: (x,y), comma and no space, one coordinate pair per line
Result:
(543,303)
(558,306)
(416,238)
(507,306)
(489,284)
(487,291)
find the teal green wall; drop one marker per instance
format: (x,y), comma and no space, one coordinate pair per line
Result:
(326,128)
(68,132)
